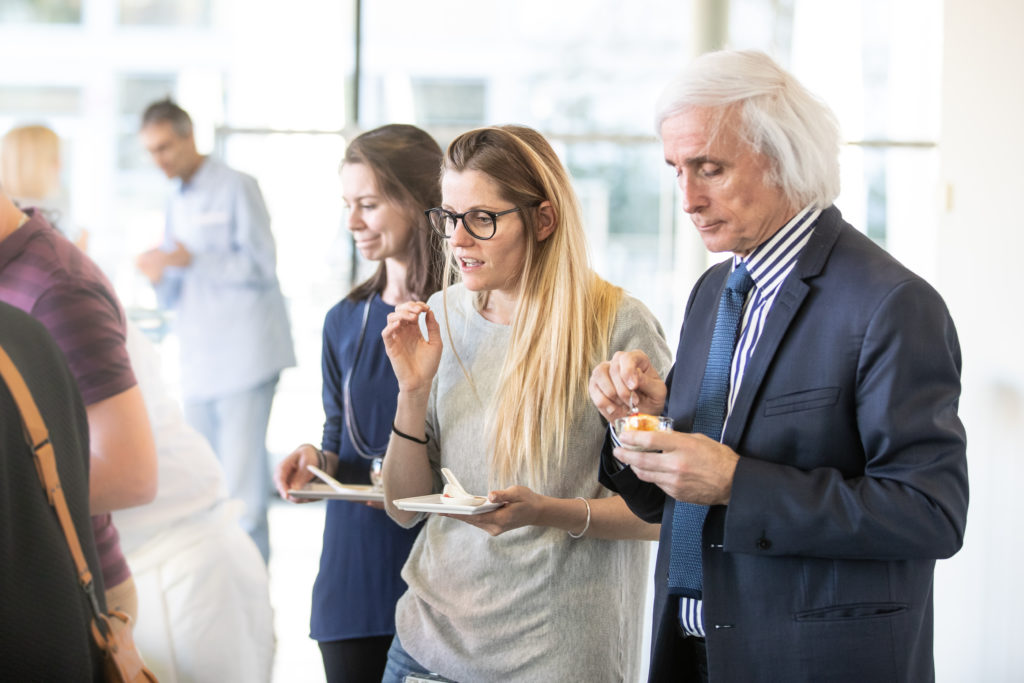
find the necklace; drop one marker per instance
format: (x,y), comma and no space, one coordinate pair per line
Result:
(355,436)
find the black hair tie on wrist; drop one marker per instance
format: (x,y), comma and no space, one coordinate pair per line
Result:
(410,438)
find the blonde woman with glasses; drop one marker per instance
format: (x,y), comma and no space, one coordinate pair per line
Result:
(550,585)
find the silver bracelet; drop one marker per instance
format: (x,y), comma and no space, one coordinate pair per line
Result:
(585,526)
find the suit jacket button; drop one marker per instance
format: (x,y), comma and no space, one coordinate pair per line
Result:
(763,543)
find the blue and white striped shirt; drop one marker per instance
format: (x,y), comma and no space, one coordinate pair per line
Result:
(768,265)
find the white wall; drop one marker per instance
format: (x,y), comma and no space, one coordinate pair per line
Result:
(979,598)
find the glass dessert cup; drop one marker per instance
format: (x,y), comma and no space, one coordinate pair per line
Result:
(640,422)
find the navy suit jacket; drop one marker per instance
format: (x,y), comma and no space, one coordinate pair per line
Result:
(852,478)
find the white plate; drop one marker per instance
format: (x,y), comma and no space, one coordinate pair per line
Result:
(432,503)
(357,492)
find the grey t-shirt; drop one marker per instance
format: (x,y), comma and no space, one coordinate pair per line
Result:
(531,604)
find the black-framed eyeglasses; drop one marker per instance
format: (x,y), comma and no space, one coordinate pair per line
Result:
(479,223)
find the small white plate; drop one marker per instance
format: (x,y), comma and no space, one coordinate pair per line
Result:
(432,503)
(356,492)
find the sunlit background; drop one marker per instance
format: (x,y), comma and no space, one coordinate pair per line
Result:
(276,88)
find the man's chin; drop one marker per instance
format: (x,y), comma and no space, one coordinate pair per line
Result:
(714,243)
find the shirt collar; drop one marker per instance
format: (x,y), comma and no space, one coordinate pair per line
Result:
(198,176)
(781,249)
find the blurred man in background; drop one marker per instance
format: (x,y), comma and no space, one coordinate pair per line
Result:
(216,270)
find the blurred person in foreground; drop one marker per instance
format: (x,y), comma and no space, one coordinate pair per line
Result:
(47,276)
(545,587)
(216,270)
(389,175)
(44,613)
(799,542)
(203,594)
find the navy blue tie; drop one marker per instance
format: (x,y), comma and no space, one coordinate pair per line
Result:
(685,575)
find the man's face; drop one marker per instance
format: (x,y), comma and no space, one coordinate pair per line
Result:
(723,181)
(175,155)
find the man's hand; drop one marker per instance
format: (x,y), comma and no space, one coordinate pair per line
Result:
(627,373)
(180,257)
(153,262)
(690,467)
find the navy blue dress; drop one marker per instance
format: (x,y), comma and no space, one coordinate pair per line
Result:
(358,585)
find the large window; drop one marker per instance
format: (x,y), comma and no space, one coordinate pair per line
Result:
(273,88)
(589,86)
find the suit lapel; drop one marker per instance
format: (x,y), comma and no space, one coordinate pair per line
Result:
(787,303)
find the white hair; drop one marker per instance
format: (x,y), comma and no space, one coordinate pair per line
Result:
(781,119)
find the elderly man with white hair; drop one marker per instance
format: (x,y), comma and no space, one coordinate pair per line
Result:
(819,466)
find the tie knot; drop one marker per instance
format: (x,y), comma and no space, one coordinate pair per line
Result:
(740,280)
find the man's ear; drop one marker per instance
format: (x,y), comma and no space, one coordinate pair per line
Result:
(546,219)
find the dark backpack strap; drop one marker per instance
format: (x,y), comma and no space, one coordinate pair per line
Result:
(38,438)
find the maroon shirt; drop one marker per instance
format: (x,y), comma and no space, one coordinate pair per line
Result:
(48,277)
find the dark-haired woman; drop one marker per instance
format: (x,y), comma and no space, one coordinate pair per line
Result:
(389,175)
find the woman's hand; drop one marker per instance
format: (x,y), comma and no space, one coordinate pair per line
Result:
(627,373)
(291,473)
(606,517)
(522,507)
(413,358)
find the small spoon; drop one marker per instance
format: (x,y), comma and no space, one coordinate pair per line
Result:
(455,494)
(634,408)
(453,482)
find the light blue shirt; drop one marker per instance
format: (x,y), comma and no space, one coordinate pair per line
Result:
(230,313)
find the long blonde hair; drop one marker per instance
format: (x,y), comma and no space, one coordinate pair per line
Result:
(29,160)
(564,312)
